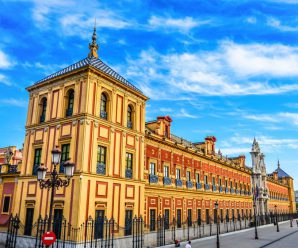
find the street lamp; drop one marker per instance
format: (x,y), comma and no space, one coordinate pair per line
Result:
(217,217)
(277,227)
(54,182)
(255,217)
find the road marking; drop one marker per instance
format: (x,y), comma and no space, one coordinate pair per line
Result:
(274,241)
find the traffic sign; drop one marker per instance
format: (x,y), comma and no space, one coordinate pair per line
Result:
(48,238)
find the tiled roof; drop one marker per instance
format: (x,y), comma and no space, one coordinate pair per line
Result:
(96,63)
(281,173)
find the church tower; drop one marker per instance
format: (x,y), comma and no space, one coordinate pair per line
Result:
(259,179)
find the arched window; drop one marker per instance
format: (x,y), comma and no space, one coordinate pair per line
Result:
(43,110)
(70,102)
(129,116)
(103,106)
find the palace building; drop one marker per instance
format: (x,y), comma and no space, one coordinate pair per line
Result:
(125,166)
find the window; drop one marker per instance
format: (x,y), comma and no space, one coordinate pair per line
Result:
(70,102)
(129,116)
(167,219)
(101,160)
(57,222)
(166,171)
(213,180)
(6,203)
(189,217)
(226,183)
(152,169)
(128,222)
(197,177)
(205,179)
(37,158)
(219,181)
(99,224)
(129,163)
(43,110)
(188,176)
(152,219)
(103,106)
(207,216)
(236,185)
(29,221)
(199,217)
(64,156)
(231,184)
(179,218)
(177,173)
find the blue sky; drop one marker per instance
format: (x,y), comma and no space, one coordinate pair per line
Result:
(223,68)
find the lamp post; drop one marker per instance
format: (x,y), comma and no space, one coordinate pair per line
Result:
(217,229)
(54,182)
(255,217)
(277,227)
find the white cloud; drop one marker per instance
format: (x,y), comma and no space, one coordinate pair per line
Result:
(5,62)
(282,117)
(251,20)
(234,151)
(182,113)
(262,118)
(181,24)
(231,69)
(13,102)
(275,23)
(4,80)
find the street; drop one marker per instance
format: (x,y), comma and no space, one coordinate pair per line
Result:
(268,237)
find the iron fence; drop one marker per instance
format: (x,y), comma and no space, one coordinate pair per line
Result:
(101,232)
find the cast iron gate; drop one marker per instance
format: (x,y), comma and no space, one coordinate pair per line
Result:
(137,232)
(12,231)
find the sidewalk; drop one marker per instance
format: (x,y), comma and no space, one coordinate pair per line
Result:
(246,238)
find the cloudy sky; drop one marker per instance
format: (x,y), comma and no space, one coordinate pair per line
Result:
(224,68)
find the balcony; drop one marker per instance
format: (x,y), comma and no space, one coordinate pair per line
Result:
(42,118)
(153,178)
(214,187)
(237,191)
(179,183)
(198,185)
(69,112)
(129,124)
(227,190)
(167,181)
(232,191)
(103,115)
(220,189)
(189,184)
(128,173)
(206,186)
(101,169)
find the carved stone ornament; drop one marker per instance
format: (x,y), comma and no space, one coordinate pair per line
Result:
(137,138)
(74,123)
(58,126)
(95,124)
(32,131)
(82,121)
(112,130)
(124,134)
(46,129)
(87,122)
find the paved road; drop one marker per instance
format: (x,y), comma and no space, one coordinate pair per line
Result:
(268,238)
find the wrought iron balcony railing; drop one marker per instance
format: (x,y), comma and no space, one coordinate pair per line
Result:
(69,112)
(42,118)
(153,178)
(189,184)
(206,186)
(100,168)
(128,173)
(129,124)
(198,185)
(179,183)
(167,181)
(104,115)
